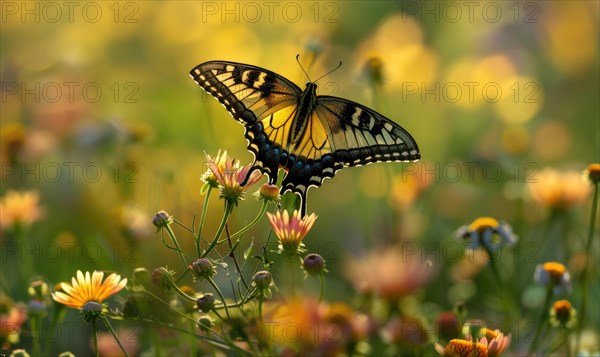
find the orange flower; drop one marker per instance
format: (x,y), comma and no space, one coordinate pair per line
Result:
(559,190)
(493,344)
(562,314)
(312,327)
(390,274)
(86,288)
(593,173)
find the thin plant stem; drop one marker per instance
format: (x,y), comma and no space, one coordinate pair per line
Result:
(37,343)
(322,286)
(193,342)
(216,287)
(232,255)
(541,324)
(260,214)
(508,305)
(260,305)
(586,270)
(114,334)
(178,248)
(95,333)
(567,342)
(226,214)
(292,259)
(202,218)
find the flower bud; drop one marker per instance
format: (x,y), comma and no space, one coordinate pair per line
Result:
(91,310)
(314,264)
(38,289)
(593,173)
(262,279)
(268,192)
(206,302)
(373,70)
(163,278)
(205,323)
(162,220)
(36,307)
(202,268)
(19,353)
(66,354)
(141,275)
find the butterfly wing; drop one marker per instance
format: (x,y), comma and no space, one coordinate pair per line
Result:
(343,133)
(263,101)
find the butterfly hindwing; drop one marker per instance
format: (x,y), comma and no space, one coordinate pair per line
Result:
(361,136)
(310,136)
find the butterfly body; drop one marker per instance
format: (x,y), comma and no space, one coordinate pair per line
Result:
(310,136)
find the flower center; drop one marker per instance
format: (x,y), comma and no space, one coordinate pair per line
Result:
(464,348)
(556,270)
(483,223)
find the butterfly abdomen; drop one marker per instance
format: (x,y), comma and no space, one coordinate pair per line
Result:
(306,105)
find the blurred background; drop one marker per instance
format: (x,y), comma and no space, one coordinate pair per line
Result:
(101,126)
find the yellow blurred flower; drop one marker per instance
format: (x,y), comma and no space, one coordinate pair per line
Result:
(553,274)
(88,288)
(559,190)
(134,222)
(396,54)
(406,187)
(12,137)
(390,274)
(487,232)
(572,49)
(19,208)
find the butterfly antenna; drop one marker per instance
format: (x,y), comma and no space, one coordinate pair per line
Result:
(333,70)
(307,76)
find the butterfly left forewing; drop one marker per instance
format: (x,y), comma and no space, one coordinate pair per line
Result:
(249,93)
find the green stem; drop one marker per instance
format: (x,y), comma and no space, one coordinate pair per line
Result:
(228,209)
(567,342)
(182,294)
(260,305)
(37,344)
(216,287)
(541,324)
(322,286)
(260,214)
(585,273)
(204,209)
(112,331)
(95,333)
(193,341)
(292,259)
(178,248)
(507,304)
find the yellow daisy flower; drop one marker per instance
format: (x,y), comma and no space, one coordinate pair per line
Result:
(88,288)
